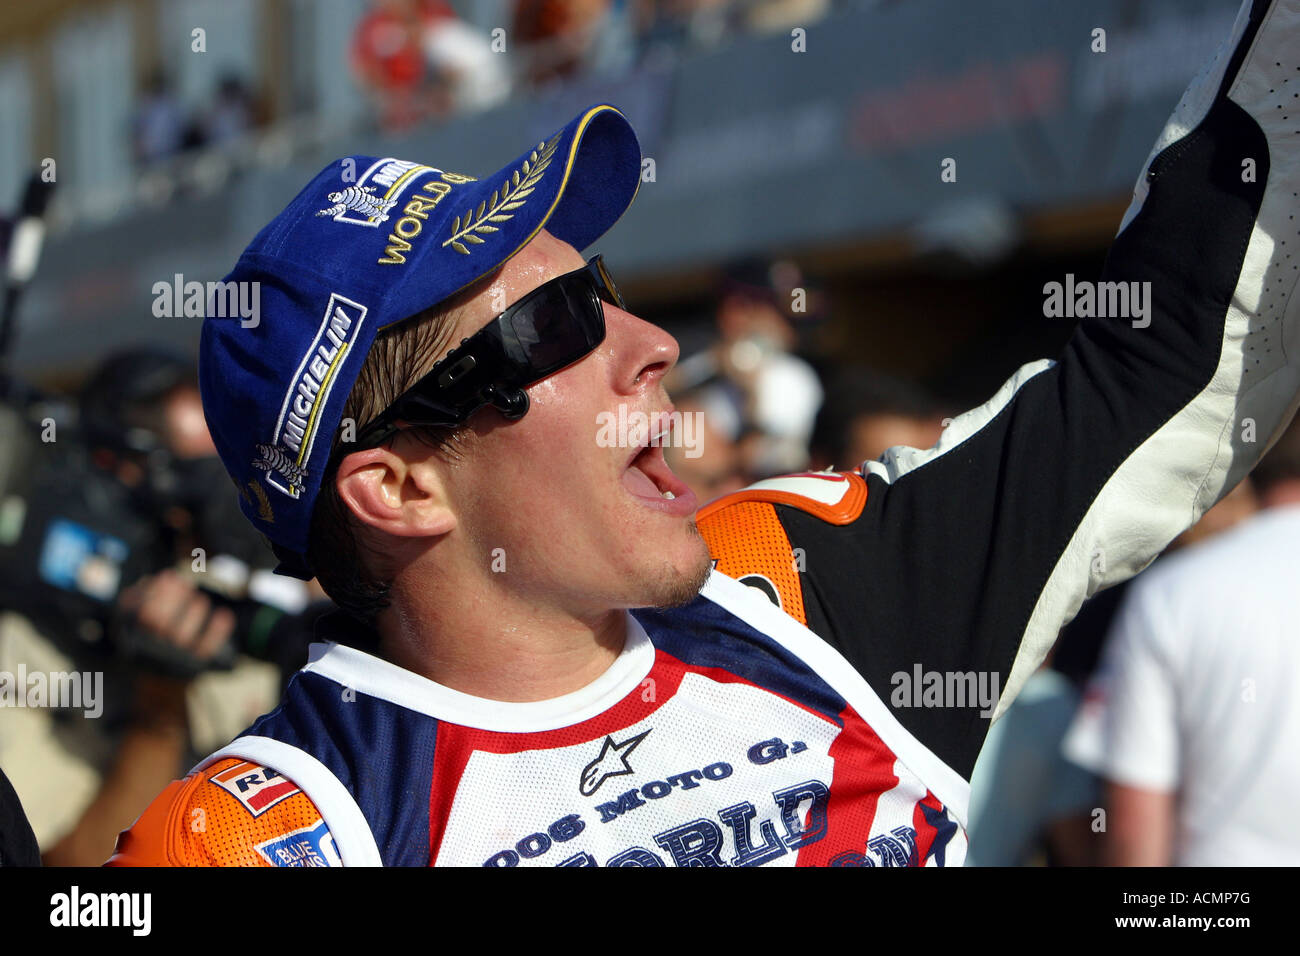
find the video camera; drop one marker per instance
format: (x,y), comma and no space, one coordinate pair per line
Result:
(92,499)
(73,534)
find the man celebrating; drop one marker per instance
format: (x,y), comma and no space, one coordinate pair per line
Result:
(544,662)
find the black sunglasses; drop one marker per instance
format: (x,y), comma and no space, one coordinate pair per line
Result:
(553,326)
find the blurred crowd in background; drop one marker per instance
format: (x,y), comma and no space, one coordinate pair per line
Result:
(161,127)
(419,61)
(1122,749)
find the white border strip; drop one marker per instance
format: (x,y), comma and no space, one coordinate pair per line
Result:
(753,608)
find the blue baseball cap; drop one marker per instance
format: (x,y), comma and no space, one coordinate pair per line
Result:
(372,241)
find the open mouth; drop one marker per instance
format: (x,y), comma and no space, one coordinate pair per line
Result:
(648,477)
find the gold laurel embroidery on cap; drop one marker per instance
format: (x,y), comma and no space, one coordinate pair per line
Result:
(510,196)
(263,503)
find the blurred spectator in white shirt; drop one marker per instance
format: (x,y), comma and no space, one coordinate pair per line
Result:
(464,63)
(759,393)
(1192,718)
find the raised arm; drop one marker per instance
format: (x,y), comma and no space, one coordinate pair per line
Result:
(970,556)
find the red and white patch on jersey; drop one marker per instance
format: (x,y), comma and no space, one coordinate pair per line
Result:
(257,788)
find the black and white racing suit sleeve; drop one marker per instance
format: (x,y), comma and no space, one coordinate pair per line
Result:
(970,556)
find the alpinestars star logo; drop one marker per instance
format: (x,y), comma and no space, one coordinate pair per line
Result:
(612,762)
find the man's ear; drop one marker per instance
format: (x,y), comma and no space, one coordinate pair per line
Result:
(397,490)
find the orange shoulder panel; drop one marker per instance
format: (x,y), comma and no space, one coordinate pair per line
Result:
(232,813)
(748,542)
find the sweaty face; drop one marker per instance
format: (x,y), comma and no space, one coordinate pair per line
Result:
(576,503)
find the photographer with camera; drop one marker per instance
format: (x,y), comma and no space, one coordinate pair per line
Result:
(133,562)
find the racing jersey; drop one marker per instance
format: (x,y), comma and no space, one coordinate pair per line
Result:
(823,700)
